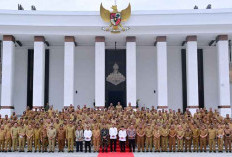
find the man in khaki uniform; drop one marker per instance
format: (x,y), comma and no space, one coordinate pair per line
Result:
(149,133)
(228,133)
(172,139)
(212,138)
(164,138)
(61,138)
(96,138)
(22,133)
(44,138)
(188,139)
(180,135)
(220,136)
(196,134)
(156,135)
(37,137)
(70,134)
(203,140)
(140,138)
(2,138)
(14,136)
(51,133)
(8,138)
(29,134)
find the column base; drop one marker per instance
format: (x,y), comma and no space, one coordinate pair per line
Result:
(224,110)
(192,109)
(162,108)
(6,110)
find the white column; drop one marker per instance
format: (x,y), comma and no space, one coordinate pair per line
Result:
(8,57)
(38,72)
(192,73)
(162,86)
(69,64)
(223,75)
(131,71)
(100,71)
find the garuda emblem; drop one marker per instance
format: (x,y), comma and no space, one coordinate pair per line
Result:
(115,18)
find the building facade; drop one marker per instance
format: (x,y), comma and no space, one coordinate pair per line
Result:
(168,59)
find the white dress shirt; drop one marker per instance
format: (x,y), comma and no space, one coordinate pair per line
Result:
(122,135)
(113,133)
(87,135)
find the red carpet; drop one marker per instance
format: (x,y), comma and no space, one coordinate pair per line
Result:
(116,154)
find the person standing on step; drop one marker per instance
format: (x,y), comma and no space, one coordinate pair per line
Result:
(140,138)
(203,138)
(196,134)
(70,134)
(228,134)
(96,138)
(122,138)
(29,134)
(2,138)
(156,138)
(172,139)
(212,138)
(104,138)
(22,133)
(131,133)
(44,138)
(164,138)
(61,133)
(113,137)
(37,134)
(51,133)
(14,136)
(220,137)
(180,138)
(188,139)
(87,136)
(79,139)
(148,133)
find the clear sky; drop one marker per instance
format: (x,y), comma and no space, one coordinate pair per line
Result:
(93,5)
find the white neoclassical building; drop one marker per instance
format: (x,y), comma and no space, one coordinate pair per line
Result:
(167,59)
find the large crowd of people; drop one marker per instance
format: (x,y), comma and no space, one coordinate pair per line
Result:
(105,129)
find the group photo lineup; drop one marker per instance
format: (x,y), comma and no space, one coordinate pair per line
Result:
(115,78)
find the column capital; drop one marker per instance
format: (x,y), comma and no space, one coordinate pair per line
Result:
(69,39)
(161,39)
(191,38)
(99,39)
(8,38)
(221,38)
(39,39)
(130,39)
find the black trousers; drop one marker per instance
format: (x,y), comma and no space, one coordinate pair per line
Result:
(87,144)
(79,146)
(122,146)
(113,142)
(104,145)
(132,144)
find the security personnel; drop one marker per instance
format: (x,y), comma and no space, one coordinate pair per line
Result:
(2,138)
(203,138)
(149,133)
(96,138)
(196,134)
(104,138)
(51,133)
(14,136)
(37,137)
(164,138)
(156,138)
(29,135)
(220,137)
(22,133)
(188,139)
(70,134)
(180,135)
(140,138)
(61,138)
(172,139)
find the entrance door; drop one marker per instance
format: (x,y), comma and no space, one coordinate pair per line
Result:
(115,71)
